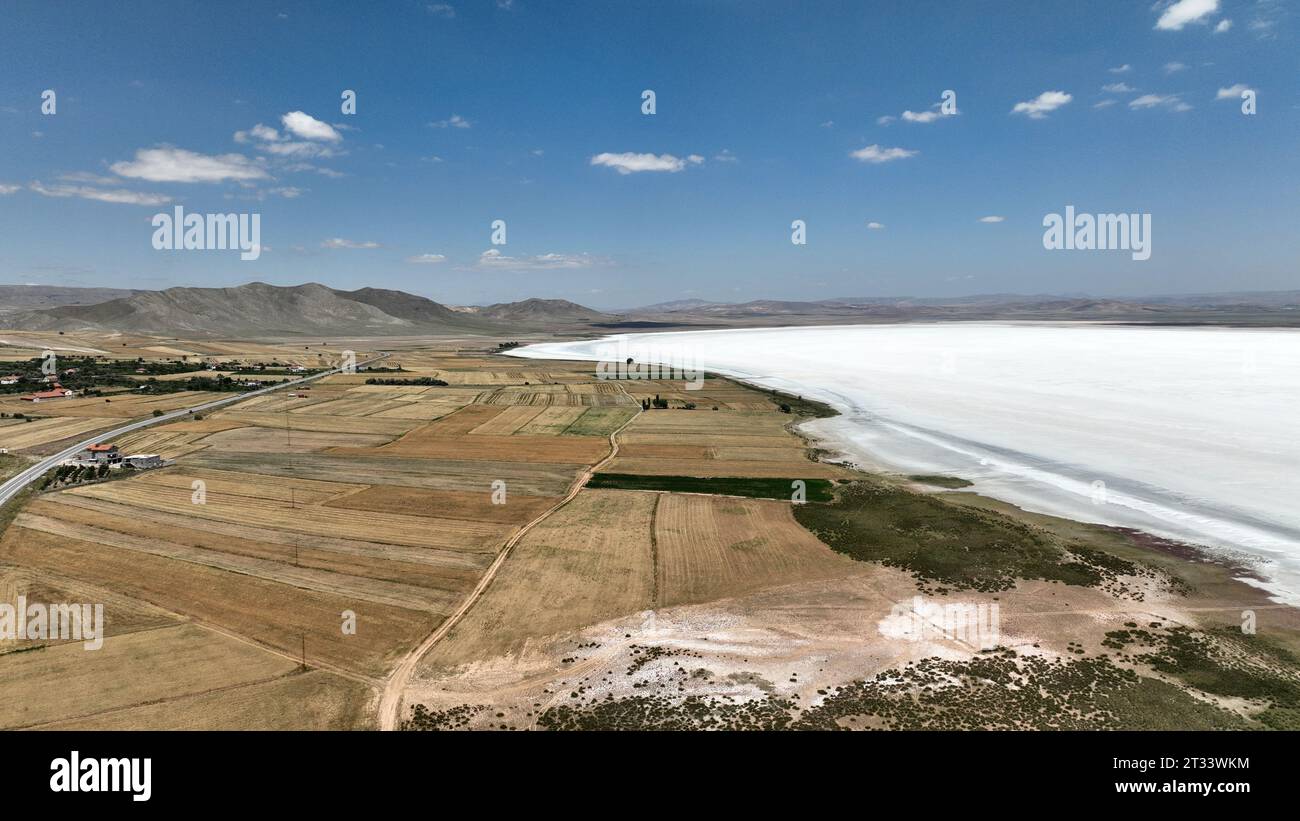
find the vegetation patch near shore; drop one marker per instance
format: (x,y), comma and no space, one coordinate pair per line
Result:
(998,690)
(948,546)
(1223,662)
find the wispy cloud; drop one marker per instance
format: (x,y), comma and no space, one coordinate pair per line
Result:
(1173,102)
(875,226)
(117,196)
(442,10)
(632,163)
(1124,69)
(878,154)
(1174,67)
(992,218)
(1232,92)
(426,259)
(1040,106)
(493,258)
(7,189)
(454,121)
(1181,13)
(1119,88)
(169,164)
(1223,26)
(338,242)
(316,139)
(932,114)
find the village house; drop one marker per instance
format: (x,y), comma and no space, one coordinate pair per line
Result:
(11,379)
(100,454)
(56,392)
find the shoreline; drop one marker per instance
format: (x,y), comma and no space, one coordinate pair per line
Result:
(823,447)
(1214,532)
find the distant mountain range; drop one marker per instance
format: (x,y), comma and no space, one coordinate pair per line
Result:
(262,310)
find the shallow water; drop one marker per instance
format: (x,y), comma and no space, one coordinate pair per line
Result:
(1187,433)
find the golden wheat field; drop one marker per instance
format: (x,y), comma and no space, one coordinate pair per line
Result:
(296,548)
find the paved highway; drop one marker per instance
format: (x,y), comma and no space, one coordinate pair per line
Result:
(10,488)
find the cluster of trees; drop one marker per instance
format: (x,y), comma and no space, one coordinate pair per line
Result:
(662,404)
(72,474)
(416,380)
(217,383)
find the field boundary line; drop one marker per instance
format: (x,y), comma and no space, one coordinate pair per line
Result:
(390,702)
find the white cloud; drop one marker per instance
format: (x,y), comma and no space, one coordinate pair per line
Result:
(337,242)
(6,189)
(1124,69)
(259,131)
(885,120)
(306,166)
(631,163)
(118,196)
(168,164)
(1223,26)
(426,259)
(441,10)
(878,154)
(726,156)
(1118,88)
(992,218)
(1232,92)
(455,121)
(875,226)
(1182,12)
(492,258)
(920,116)
(1103,104)
(1038,108)
(1174,67)
(1170,101)
(828,124)
(300,150)
(309,128)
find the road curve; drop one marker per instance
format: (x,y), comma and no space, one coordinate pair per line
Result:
(12,487)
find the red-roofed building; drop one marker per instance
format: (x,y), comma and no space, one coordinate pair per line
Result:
(57,392)
(100,453)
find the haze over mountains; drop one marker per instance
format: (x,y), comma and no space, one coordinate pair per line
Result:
(258,309)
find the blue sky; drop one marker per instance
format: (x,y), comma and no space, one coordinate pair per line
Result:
(470,111)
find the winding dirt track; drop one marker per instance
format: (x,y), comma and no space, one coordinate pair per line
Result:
(390,702)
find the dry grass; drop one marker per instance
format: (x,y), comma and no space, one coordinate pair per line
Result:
(551,421)
(312,700)
(275,615)
(257,440)
(711,547)
(66,682)
(462,473)
(261,513)
(309,422)
(449,504)
(427,444)
(24,435)
(590,561)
